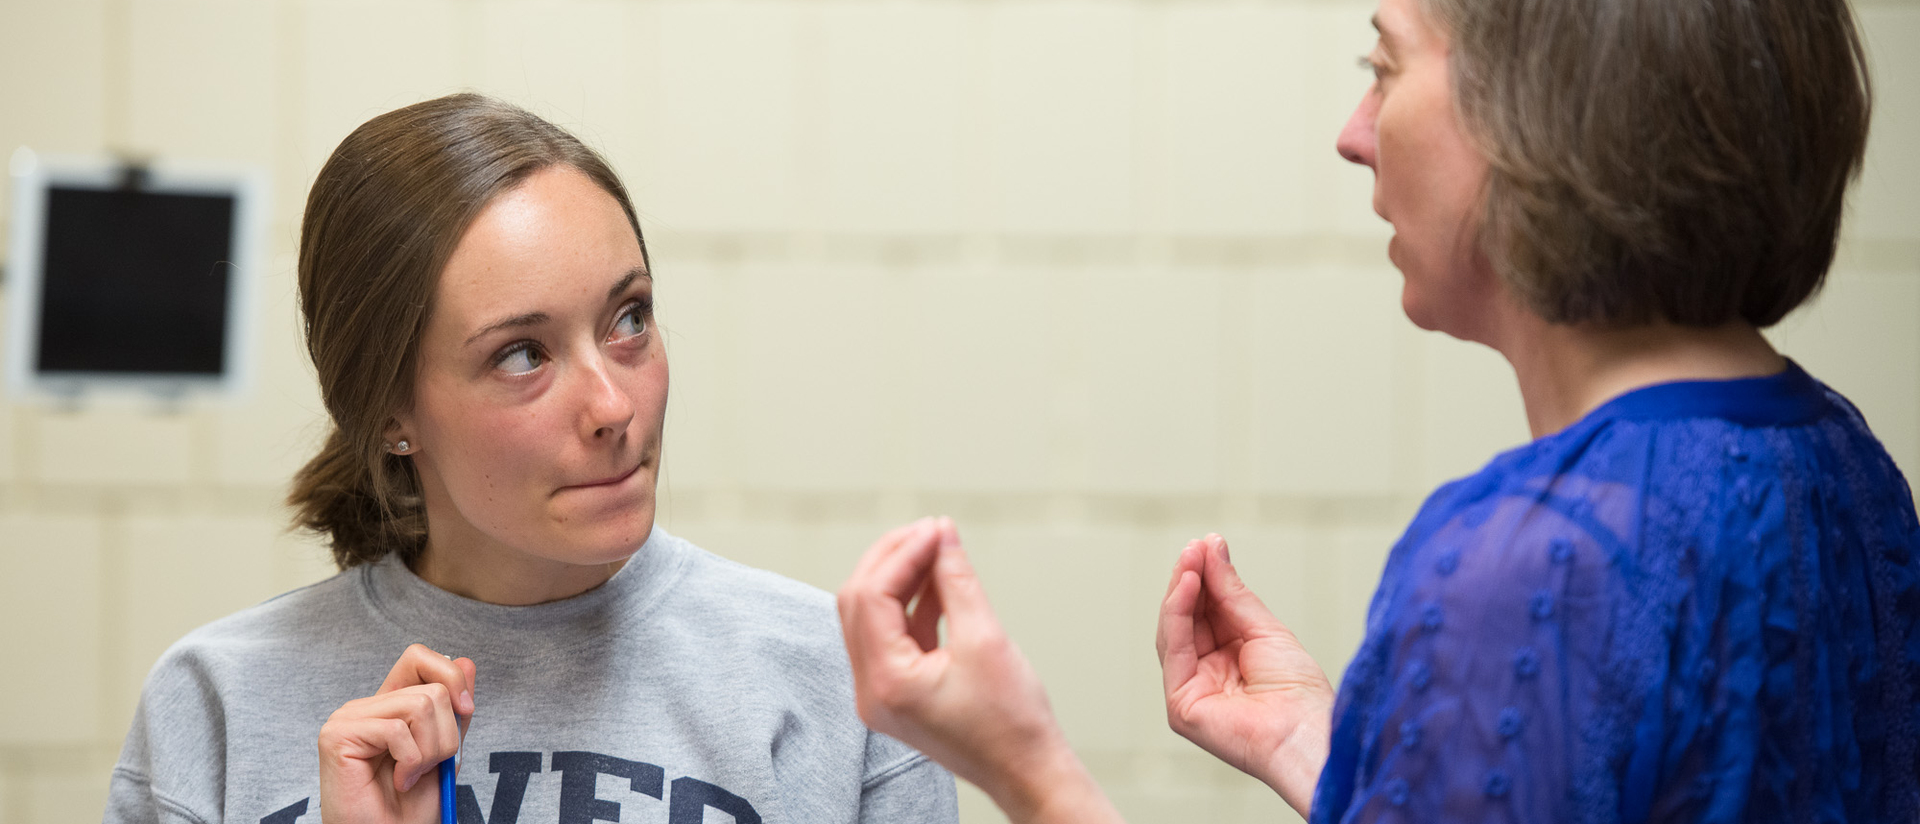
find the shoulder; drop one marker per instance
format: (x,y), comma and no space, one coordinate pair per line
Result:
(783,637)
(730,587)
(248,676)
(1543,510)
(261,649)
(1537,557)
(296,616)
(761,617)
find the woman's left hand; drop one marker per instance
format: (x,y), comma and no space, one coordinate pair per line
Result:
(1237,681)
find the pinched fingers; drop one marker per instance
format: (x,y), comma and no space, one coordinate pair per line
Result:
(873,601)
(869,581)
(885,547)
(969,616)
(923,623)
(883,644)
(1230,605)
(1191,558)
(1176,642)
(1195,609)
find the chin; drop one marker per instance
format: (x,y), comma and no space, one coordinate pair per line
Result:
(620,541)
(605,539)
(1416,312)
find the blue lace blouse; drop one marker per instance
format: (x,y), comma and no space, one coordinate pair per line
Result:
(1697,604)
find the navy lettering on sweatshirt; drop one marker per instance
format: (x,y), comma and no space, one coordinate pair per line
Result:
(580,771)
(688,799)
(508,790)
(692,797)
(287,814)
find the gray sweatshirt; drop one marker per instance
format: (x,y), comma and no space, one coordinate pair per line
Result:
(685,689)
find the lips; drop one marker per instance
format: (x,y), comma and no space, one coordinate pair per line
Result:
(607,481)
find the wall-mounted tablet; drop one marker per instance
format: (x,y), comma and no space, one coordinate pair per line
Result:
(131,277)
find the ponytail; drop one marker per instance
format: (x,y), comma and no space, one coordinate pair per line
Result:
(364,518)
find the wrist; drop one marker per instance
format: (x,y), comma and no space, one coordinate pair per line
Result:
(1293,770)
(1052,786)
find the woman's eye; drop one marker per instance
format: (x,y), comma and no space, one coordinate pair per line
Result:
(520,359)
(631,322)
(1367,63)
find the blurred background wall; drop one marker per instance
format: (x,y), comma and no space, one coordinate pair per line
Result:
(1085,274)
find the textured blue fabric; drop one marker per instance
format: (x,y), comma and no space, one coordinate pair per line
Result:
(1700,603)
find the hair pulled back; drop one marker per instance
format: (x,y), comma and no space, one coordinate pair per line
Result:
(383,218)
(1654,160)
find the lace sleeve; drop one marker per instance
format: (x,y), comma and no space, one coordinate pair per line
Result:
(1485,671)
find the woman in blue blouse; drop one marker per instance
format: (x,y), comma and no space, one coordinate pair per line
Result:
(1693,597)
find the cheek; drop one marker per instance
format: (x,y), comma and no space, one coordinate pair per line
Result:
(493,449)
(1406,171)
(648,388)
(1397,167)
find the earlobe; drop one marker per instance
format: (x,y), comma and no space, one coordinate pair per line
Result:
(395,441)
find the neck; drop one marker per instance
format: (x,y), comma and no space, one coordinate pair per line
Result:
(505,577)
(1567,371)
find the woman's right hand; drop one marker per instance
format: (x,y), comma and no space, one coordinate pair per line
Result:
(378,754)
(1237,681)
(973,704)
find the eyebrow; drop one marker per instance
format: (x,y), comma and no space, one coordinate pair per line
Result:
(528,319)
(537,318)
(1386,37)
(626,281)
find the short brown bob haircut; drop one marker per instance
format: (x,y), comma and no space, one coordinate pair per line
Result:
(383,218)
(1682,161)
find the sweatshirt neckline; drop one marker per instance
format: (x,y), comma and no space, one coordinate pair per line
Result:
(454,624)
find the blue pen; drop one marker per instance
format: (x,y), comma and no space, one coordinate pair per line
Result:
(447,769)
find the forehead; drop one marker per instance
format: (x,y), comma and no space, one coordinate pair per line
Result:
(1403,24)
(554,238)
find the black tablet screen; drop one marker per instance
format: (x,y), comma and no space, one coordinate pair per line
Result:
(135,281)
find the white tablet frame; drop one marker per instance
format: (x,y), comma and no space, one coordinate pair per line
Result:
(33,175)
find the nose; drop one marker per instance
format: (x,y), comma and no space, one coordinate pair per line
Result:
(606,409)
(1359,142)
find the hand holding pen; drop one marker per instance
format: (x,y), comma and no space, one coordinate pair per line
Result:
(376,751)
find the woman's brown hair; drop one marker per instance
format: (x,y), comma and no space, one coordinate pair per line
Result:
(383,217)
(1654,160)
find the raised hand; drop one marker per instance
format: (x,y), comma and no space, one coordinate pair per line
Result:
(1237,681)
(376,751)
(974,705)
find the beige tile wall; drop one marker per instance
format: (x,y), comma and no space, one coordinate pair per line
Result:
(1086,274)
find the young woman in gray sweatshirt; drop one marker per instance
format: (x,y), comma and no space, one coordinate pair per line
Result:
(479,309)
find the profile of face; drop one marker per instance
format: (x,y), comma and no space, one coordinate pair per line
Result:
(540,389)
(1428,177)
